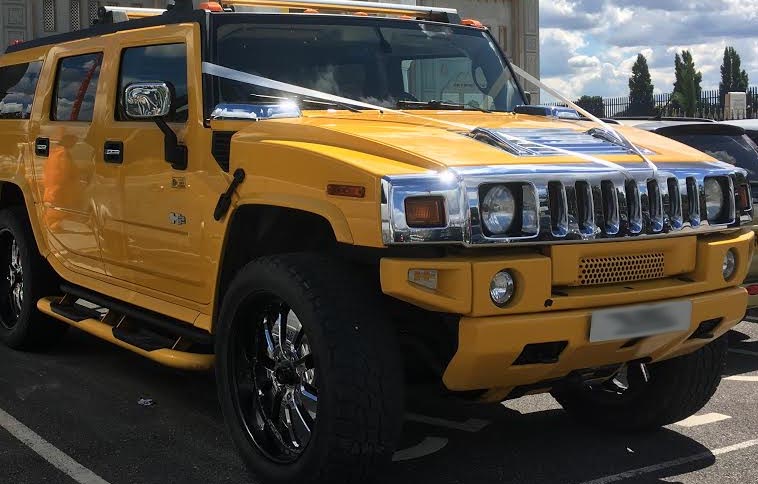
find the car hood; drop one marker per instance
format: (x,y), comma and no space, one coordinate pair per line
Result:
(433,140)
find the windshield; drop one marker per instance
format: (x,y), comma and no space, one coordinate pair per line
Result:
(735,150)
(388,63)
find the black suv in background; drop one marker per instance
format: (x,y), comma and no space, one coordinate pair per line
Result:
(733,142)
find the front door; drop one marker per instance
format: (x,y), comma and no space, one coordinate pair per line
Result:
(66,152)
(153,215)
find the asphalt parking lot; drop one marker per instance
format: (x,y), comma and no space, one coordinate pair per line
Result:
(78,407)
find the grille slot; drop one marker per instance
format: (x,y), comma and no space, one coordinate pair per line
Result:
(655,205)
(628,268)
(558,208)
(585,208)
(675,203)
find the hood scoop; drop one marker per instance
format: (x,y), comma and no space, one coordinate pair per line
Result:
(548,142)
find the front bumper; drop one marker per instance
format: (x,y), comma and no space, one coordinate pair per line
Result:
(488,347)
(551,306)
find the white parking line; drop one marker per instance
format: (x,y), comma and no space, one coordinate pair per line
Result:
(697,420)
(673,463)
(742,378)
(472,425)
(48,451)
(428,446)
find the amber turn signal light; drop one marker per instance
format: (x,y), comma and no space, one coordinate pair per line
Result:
(425,212)
(743,197)
(211,7)
(353,191)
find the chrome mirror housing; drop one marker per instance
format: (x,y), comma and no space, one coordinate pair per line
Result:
(147,100)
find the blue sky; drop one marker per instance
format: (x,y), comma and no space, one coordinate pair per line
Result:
(589,46)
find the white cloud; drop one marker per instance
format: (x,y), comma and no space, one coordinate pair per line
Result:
(589,46)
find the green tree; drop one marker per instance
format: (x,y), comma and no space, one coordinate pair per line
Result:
(641,102)
(593,104)
(733,77)
(687,90)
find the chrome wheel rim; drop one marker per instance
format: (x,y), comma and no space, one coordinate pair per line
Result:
(13,281)
(276,381)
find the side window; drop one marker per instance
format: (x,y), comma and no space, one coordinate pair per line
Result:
(166,63)
(17,86)
(75,88)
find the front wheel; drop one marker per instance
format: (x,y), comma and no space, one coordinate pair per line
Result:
(309,375)
(646,397)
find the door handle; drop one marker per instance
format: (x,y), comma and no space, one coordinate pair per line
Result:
(42,147)
(113,152)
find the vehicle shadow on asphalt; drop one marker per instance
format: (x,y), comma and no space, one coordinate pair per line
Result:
(743,355)
(538,447)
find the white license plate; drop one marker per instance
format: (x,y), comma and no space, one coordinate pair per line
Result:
(638,321)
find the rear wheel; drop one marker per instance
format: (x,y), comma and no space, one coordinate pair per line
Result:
(25,277)
(646,397)
(309,375)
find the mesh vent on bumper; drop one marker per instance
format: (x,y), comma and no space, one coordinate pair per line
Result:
(612,270)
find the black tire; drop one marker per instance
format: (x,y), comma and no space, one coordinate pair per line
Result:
(22,326)
(356,365)
(676,389)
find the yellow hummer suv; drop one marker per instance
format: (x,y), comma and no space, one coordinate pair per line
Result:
(328,201)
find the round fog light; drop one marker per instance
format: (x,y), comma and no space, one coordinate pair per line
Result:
(501,288)
(729,265)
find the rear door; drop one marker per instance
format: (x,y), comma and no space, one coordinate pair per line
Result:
(65,153)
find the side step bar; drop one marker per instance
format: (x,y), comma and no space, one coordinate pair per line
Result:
(145,317)
(142,342)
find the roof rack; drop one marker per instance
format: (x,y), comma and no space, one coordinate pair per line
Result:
(348,6)
(122,14)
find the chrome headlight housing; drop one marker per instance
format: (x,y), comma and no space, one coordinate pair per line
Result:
(714,199)
(498,209)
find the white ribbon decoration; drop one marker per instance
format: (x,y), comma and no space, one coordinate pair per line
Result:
(521,72)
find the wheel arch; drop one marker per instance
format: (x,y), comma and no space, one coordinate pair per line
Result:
(12,194)
(256,230)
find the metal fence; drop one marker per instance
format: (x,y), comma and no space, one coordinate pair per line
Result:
(710,106)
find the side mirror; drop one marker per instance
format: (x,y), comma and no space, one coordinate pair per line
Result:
(152,101)
(528,95)
(147,100)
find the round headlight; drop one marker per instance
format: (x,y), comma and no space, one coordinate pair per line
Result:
(714,199)
(729,265)
(501,288)
(498,209)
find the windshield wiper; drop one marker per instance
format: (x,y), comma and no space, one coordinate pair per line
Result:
(330,103)
(311,101)
(434,104)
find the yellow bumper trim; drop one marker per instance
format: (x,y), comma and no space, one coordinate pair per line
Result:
(489,346)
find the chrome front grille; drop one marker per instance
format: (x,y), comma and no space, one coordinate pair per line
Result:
(608,207)
(576,202)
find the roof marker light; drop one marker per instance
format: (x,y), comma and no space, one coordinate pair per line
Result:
(211,7)
(472,23)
